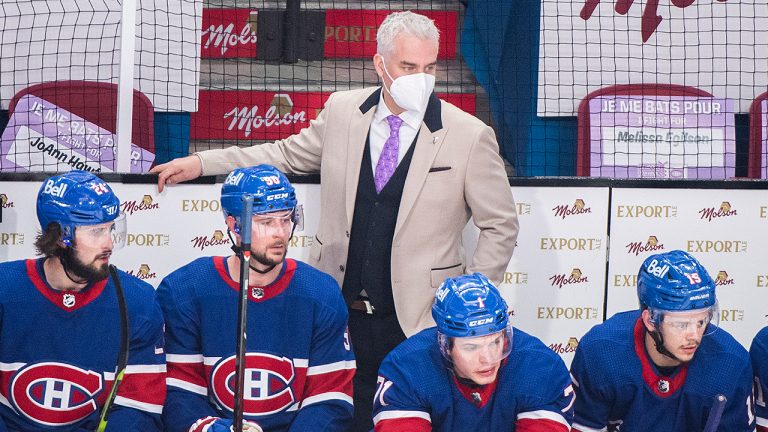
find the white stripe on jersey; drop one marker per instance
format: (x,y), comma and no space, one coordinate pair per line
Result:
(762,422)
(331,367)
(389,415)
(145,368)
(184,385)
(544,415)
(184,358)
(322,397)
(10,366)
(573,379)
(583,428)
(143,406)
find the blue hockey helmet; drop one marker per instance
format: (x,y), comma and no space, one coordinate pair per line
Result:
(675,281)
(76,198)
(470,306)
(269,187)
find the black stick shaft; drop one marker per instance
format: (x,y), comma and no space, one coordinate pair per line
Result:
(242,309)
(713,421)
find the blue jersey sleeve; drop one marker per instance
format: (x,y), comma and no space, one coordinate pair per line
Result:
(759,355)
(552,409)
(186,401)
(141,395)
(738,415)
(327,395)
(592,406)
(397,403)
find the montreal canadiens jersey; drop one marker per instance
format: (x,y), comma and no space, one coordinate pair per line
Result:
(618,388)
(58,354)
(299,365)
(759,354)
(417,391)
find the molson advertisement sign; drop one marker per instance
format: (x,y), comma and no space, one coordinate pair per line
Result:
(232,33)
(269,115)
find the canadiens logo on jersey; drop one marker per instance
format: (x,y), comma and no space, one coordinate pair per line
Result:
(55,394)
(267,386)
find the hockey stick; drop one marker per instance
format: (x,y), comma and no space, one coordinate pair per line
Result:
(242,309)
(713,421)
(122,356)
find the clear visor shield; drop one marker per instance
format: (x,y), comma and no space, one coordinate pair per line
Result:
(491,348)
(278,223)
(701,322)
(109,235)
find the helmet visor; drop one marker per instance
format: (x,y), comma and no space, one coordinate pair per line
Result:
(698,321)
(112,234)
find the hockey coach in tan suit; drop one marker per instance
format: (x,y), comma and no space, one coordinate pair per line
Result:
(401,174)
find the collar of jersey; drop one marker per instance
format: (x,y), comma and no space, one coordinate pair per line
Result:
(650,375)
(271,290)
(485,391)
(57,297)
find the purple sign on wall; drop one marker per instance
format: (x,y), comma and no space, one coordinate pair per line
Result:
(764,155)
(662,137)
(41,136)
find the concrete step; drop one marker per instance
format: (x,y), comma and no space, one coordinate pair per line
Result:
(327,75)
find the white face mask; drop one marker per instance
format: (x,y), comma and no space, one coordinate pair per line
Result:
(411,92)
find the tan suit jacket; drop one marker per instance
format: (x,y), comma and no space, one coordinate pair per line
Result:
(456,172)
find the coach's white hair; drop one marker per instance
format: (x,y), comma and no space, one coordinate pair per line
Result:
(407,22)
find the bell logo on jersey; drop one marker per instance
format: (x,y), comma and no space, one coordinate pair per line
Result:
(266,388)
(55,394)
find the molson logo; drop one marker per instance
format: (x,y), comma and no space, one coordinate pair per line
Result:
(226,37)
(651,245)
(5,202)
(131,207)
(515,278)
(569,346)
(577,208)
(279,113)
(723,279)
(217,239)
(575,278)
(650,20)
(143,272)
(710,213)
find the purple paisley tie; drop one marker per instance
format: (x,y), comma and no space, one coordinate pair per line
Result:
(388,158)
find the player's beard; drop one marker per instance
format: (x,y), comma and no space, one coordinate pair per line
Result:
(263,259)
(87,272)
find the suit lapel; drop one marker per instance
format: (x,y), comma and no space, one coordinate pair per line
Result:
(360,124)
(428,143)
